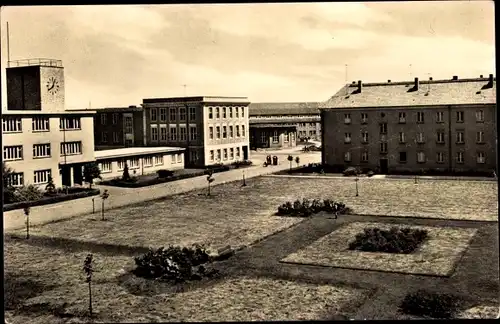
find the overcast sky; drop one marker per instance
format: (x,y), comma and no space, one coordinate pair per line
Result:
(118,55)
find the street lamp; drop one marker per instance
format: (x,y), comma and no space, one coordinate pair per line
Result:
(244,183)
(356,181)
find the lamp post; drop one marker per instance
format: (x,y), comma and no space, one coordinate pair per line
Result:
(356,181)
(27,214)
(104,196)
(244,183)
(93,205)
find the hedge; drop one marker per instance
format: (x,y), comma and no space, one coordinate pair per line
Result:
(51,200)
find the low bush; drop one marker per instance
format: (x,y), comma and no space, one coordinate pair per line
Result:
(370,173)
(396,240)
(426,304)
(352,171)
(237,164)
(164,173)
(174,263)
(27,193)
(306,208)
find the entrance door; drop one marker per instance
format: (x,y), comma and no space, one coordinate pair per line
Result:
(245,152)
(66,175)
(384,166)
(78,175)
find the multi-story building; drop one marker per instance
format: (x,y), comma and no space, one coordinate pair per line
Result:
(118,127)
(40,138)
(211,129)
(281,124)
(447,125)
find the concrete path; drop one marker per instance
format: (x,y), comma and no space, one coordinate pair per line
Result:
(120,197)
(381,177)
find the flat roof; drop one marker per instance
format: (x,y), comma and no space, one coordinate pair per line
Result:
(132,151)
(7,112)
(195,99)
(118,109)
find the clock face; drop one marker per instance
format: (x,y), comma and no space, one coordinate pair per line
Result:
(52,85)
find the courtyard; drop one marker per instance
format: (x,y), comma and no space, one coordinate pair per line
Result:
(284,270)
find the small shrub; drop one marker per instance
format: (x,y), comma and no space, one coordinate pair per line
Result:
(306,208)
(436,305)
(237,164)
(28,193)
(126,174)
(164,173)
(174,263)
(351,171)
(394,240)
(370,173)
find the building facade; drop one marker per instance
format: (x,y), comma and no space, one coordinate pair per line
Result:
(211,129)
(301,120)
(139,160)
(445,125)
(118,127)
(40,138)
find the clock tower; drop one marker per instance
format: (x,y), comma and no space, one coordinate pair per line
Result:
(35,84)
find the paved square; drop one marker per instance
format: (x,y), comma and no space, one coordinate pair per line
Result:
(437,256)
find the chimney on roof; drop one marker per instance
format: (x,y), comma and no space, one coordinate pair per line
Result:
(455,77)
(491,79)
(481,76)
(416,84)
(353,82)
(360,85)
(430,78)
(388,81)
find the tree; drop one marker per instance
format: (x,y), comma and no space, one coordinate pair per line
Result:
(126,174)
(290,158)
(50,187)
(210,179)
(297,160)
(88,269)
(8,189)
(91,171)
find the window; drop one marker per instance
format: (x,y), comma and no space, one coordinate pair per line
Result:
(479,116)
(173,133)
(210,113)
(230,112)
(103,119)
(104,137)
(128,125)
(134,163)
(460,137)
(182,114)
(16,179)
(383,147)
(439,117)
(225,154)
(364,118)
(154,114)
(402,157)
(217,129)
(242,130)
(421,157)
(231,134)
(365,137)
(71,148)
(460,157)
(11,153)
(182,134)
(192,113)
(147,161)
(105,166)
(275,137)
(402,117)
(236,112)
(41,176)
(224,131)
(69,123)
(347,118)
(364,157)
(116,137)
(218,155)
(440,137)
(158,159)
(263,137)
(154,133)
(115,118)
(163,133)
(237,131)
(237,152)
(173,114)
(121,164)
(481,158)
(231,153)
(460,116)
(211,132)
(420,117)
(480,137)
(193,133)
(402,138)
(11,125)
(217,112)
(440,157)
(242,112)
(420,138)
(224,112)
(286,137)
(179,158)
(347,156)
(383,128)
(347,138)
(41,124)
(212,155)
(129,142)
(193,156)
(41,150)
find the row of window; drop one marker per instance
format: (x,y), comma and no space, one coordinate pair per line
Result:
(283,116)
(175,133)
(264,137)
(39,177)
(304,133)
(420,117)
(15,152)
(104,118)
(104,137)
(307,124)
(174,113)
(222,154)
(134,163)
(225,131)
(226,112)
(421,158)
(39,124)
(440,135)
